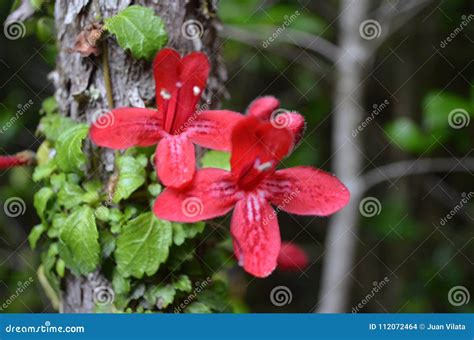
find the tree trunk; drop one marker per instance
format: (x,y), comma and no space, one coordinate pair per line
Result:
(348,113)
(81,90)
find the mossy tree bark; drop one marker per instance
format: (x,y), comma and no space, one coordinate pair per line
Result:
(81,90)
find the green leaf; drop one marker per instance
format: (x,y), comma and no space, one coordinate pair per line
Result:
(183,284)
(70,195)
(120,284)
(49,106)
(139,30)
(43,171)
(198,308)
(41,200)
(69,155)
(132,175)
(52,126)
(35,234)
(216,159)
(181,232)
(161,296)
(143,245)
(405,134)
(45,29)
(437,107)
(79,246)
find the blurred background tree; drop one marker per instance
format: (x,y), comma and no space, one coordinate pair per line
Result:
(413,99)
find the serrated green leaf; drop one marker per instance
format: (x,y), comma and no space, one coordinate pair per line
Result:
(52,126)
(198,308)
(70,195)
(35,234)
(143,245)
(49,106)
(161,296)
(132,175)
(43,171)
(69,155)
(183,284)
(41,200)
(139,30)
(216,159)
(154,189)
(79,247)
(181,231)
(120,284)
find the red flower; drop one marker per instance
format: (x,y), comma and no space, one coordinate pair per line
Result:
(292,257)
(22,158)
(250,188)
(268,109)
(176,125)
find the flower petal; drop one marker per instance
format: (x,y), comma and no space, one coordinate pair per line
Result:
(126,127)
(263,107)
(212,129)
(179,86)
(296,125)
(306,191)
(211,194)
(256,235)
(257,148)
(175,161)
(292,257)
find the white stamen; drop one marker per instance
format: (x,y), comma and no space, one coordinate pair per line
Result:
(165,94)
(262,167)
(179,84)
(196,90)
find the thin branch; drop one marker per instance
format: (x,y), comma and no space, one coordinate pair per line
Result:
(394,17)
(22,13)
(291,36)
(415,167)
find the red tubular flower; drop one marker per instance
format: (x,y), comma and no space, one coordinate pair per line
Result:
(268,109)
(251,187)
(292,257)
(22,158)
(176,125)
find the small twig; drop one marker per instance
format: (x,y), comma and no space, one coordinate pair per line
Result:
(22,13)
(415,167)
(298,38)
(107,80)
